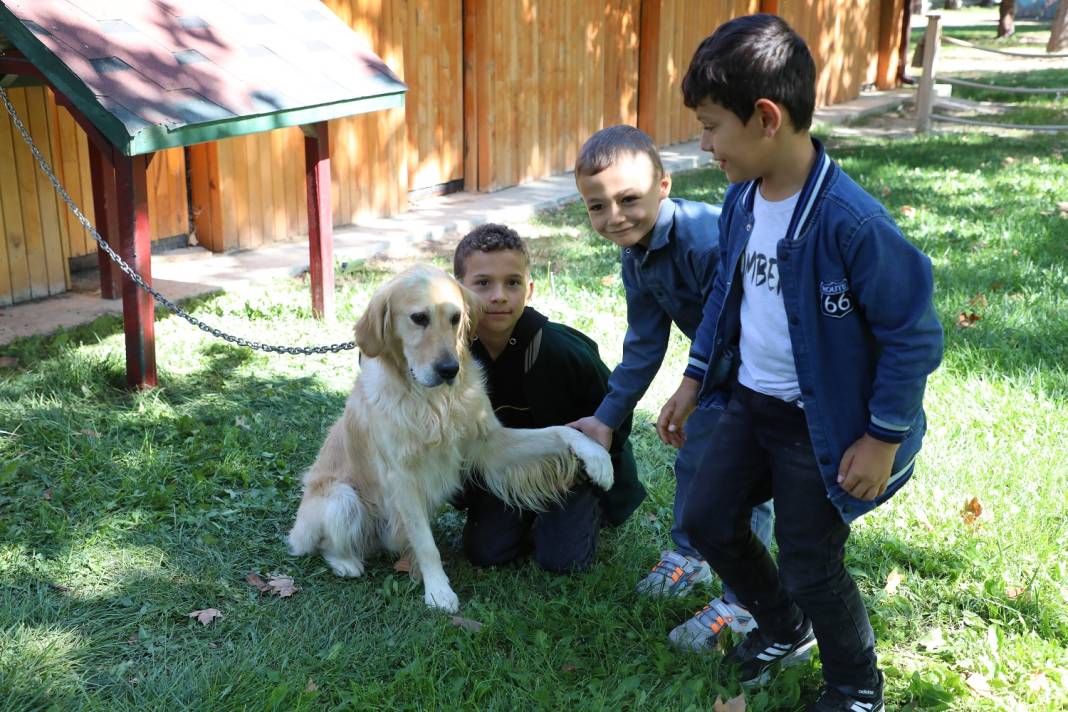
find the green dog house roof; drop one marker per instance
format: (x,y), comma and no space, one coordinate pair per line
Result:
(152,74)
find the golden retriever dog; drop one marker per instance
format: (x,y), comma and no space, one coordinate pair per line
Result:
(418,421)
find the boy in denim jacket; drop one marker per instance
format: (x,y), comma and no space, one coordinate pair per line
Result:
(830,310)
(669,256)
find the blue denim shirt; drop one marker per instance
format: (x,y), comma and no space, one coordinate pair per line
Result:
(863,328)
(668,282)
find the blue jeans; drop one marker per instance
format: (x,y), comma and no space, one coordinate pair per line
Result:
(762,448)
(699,428)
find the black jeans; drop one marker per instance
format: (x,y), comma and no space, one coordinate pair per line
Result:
(760,449)
(563,538)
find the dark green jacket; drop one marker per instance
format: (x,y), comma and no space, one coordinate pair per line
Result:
(564,379)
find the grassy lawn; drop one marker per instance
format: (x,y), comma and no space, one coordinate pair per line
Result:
(122,513)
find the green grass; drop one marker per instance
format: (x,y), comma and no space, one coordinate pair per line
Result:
(122,512)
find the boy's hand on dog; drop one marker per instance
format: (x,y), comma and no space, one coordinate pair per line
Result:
(592,427)
(865,467)
(675,412)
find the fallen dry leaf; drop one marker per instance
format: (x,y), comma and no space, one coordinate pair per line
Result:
(207,615)
(1008,160)
(214,645)
(886,190)
(997,286)
(8,362)
(608,280)
(971,511)
(1063,206)
(90,433)
(908,211)
(736,704)
(893,580)
(47,494)
(403,565)
(978,301)
(966,320)
(1038,682)
(568,667)
(921,517)
(311,686)
(253,579)
(1015,591)
(282,586)
(59,587)
(466,624)
(979,683)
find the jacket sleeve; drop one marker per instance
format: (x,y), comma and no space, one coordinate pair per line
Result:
(893,284)
(702,349)
(644,346)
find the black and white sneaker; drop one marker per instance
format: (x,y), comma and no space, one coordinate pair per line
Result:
(758,655)
(835,700)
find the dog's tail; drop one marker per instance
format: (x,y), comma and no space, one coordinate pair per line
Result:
(334,524)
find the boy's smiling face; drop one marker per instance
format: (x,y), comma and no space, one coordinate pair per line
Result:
(502,279)
(737,146)
(623,200)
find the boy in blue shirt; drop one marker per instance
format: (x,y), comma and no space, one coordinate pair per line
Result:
(669,257)
(830,311)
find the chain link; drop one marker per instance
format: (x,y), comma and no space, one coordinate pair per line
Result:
(138,279)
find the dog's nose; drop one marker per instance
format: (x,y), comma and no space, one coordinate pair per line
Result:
(447,369)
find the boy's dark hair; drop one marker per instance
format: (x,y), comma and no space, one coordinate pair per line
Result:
(749,58)
(607,145)
(490,237)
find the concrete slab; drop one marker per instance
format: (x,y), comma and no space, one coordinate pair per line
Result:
(192,271)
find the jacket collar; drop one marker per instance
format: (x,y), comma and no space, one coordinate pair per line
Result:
(665,218)
(819,178)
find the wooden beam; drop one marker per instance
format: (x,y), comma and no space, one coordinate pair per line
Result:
(770,6)
(649,74)
(320,220)
(105,207)
(135,247)
(891,13)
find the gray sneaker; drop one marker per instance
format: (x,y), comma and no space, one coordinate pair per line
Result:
(674,575)
(700,633)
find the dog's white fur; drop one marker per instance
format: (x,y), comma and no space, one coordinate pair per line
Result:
(417,422)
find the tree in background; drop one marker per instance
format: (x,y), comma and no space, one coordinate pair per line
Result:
(1058,31)
(1006,18)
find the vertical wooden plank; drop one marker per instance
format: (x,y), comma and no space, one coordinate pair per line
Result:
(252,188)
(471,64)
(58,167)
(71,172)
(320,230)
(278,186)
(235,216)
(135,243)
(10,195)
(485,94)
(6,297)
(47,198)
(649,76)
(31,210)
(238,194)
(105,207)
(84,176)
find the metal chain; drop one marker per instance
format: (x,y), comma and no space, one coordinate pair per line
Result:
(138,279)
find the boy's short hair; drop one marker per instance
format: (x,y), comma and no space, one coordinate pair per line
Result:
(607,146)
(749,58)
(490,237)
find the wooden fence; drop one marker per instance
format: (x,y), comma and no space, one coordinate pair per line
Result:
(500,91)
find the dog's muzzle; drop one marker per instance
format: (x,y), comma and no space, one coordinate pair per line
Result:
(447,369)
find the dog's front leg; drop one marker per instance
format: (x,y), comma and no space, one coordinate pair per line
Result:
(437,593)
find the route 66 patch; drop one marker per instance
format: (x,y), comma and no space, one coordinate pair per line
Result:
(835,298)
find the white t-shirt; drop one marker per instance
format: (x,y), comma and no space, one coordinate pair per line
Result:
(767,357)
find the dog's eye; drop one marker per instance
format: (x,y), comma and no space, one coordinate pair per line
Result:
(421,319)
(455,319)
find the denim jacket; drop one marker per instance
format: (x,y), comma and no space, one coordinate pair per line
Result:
(668,282)
(862,324)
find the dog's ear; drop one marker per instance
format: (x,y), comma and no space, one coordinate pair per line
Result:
(473,307)
(371,328)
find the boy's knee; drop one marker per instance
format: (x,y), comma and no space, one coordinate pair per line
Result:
(484,552)
(567,562)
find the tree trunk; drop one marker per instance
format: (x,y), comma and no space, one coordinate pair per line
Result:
(986,3)
(1058,31)
(1006,19)
(953,4)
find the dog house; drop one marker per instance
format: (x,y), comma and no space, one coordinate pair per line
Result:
(143,76)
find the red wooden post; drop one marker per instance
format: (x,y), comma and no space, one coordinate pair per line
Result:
(320,219)
(104,205)
(769,6)
(135,246)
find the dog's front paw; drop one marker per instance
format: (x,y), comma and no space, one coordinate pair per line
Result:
(596,460)
(441,596)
